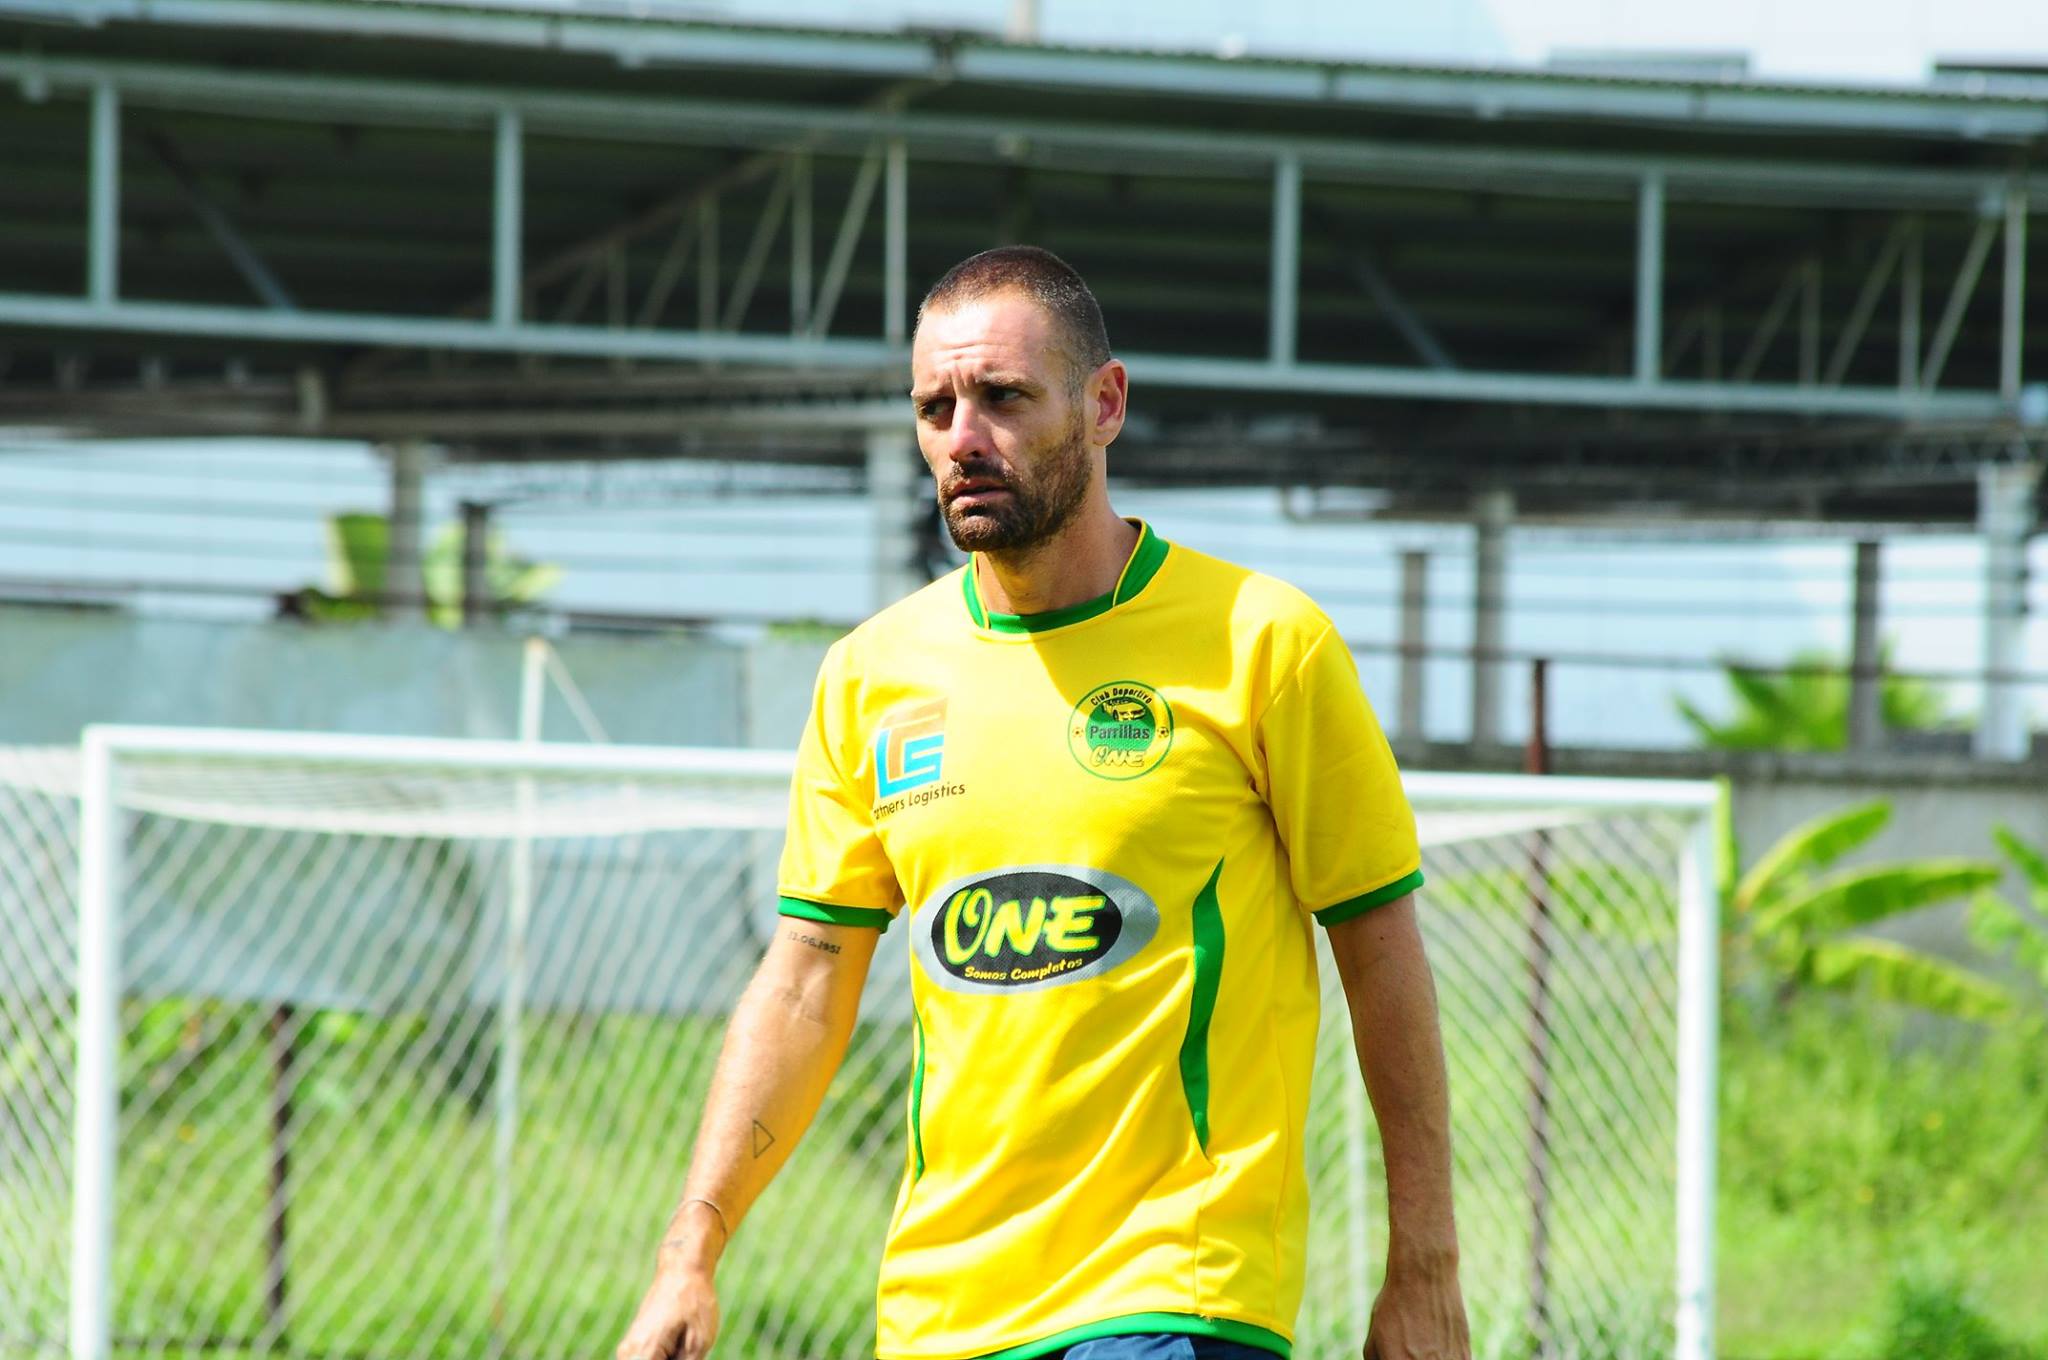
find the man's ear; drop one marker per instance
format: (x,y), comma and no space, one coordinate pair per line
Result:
(1107,393)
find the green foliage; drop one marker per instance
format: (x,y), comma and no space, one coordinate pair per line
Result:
(1807,707)
(805,630)
(1814,845)
(359,554)
(2004,930)
(1854,1137)
(1788,919)
(508,579)
(1933,1317)
(1863,1145)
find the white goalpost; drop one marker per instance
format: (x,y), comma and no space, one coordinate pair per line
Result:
(392,1048)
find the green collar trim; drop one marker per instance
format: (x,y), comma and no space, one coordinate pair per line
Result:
(1146,559)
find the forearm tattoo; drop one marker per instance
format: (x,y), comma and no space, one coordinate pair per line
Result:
(813,941)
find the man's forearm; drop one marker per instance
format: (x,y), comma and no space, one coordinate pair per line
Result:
(1394,1024)
(786,1039)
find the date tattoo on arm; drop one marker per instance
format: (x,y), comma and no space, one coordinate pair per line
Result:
(813,941)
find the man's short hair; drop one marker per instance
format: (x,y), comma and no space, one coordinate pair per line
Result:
(1047,280)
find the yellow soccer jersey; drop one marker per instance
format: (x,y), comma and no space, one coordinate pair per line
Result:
(1110,825)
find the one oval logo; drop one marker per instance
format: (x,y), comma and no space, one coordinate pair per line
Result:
(1031,927)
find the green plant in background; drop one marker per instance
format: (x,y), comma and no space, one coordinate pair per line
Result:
(1882,1190)
(1806,708)
(1791,918)
(2003,930)
(358,569)
(805,630)
(1934,1317)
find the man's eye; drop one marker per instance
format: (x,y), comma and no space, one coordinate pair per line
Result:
(934,409)
(1003,393)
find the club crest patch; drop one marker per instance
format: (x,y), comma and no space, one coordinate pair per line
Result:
(1120,730)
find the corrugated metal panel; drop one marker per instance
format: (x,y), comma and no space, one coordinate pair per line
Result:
(676,30)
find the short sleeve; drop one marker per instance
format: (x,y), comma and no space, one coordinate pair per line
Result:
(833,865)
(1334,789)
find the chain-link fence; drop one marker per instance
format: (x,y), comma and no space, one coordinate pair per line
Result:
(407,1043)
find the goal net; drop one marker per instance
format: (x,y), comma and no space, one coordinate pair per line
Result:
(394,1049)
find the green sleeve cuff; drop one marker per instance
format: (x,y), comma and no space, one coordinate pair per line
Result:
(872,917)
(1338,912)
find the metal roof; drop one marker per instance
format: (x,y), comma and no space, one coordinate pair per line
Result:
(1971,105)
(1395,267)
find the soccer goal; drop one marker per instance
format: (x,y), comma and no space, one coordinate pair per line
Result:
(394,1048)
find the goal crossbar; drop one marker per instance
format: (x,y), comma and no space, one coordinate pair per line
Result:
(106,750)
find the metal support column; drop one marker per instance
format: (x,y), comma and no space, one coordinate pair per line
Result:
(1809,322)
(1285,285)
(1649,276)
(1493,512)
(281,1035)
(2012,321)
(1414,641)
(708,259)
(404,583)
(800,232)
(1866,686)
(1912,266)
(103,228)
(2005,519)
(476,579)
(896,498)
(507,195)
(896,245)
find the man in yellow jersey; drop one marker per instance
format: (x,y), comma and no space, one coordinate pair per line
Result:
(1108,786)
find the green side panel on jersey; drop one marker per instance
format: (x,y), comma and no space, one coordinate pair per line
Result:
(917,1100)
(1338,912)
(1138,1324)
(873,917)
(1194,1049)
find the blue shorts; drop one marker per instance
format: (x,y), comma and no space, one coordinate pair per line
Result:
(1163,1346)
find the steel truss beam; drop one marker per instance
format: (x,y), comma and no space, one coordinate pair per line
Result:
(971,137)
(890,134)
(243,256)
(881,356)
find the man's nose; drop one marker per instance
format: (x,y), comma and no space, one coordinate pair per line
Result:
(966,434)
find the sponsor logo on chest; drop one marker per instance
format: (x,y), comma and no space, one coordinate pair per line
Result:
(1031,927)
(909,755)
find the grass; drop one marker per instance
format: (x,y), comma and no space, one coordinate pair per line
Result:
(1883,1190)
(1881,1173)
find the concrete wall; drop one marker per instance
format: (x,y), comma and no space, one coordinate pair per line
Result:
(62,669)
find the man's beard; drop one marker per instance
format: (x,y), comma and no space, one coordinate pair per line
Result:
(1035,510)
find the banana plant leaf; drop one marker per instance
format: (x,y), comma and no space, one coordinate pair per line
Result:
(2033,865)
(1891,972)
(2000,928)
(358,546)
(1861,896)
(1813,844)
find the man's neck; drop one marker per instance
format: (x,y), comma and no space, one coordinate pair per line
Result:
(1076,565)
